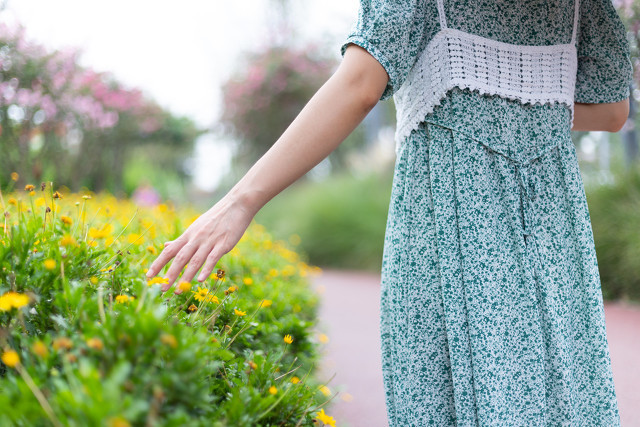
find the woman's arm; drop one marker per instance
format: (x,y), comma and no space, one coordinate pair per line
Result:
(327,119)
(609,117)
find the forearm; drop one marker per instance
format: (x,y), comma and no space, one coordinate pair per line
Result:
(608,117)
(327,119)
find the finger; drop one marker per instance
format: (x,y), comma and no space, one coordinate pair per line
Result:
(195,263)
(178,263)
(169,251)
(212,259)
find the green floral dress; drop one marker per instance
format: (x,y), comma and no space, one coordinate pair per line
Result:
(491,306)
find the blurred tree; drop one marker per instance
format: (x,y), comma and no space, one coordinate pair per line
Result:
(68,124)
(262,99)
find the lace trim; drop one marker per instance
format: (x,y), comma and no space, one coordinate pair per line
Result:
(530,74)
(454,58)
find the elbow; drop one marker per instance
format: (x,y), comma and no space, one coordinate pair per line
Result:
(619,115)
(369,100)
(363,76)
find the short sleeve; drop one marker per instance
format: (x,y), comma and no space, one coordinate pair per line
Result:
(605,71)
(393,32)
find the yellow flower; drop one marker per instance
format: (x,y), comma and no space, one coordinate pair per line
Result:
(95,344)
(201,293)
(295,380)
(10,358)
(326,419)
(325,390)
(67,220)
(232,288)
(57,195)
(62,343)
(118,422)
(265,303)
(288,270)
(169,340)
(247,281)
(184,286)
(32,193)
(93,280)
(210,298)
(134,238)
(120,299)
(68,240)
(49,264)
(323,338)
(101,233)
(192,307)
(273,272)
(13,300)
(158,281)
(238,312)
(253,364)
(13,201)
(288,339)
(29,187)
(40,349)
(152,249)
(273,390)
(15,176)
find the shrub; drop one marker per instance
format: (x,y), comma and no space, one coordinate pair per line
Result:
(614,212)
(85,339)
(341,221)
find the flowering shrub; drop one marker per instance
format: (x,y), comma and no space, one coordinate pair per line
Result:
(86,339)
(262,100)
(69,123)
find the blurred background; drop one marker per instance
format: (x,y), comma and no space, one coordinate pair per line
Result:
(172,102)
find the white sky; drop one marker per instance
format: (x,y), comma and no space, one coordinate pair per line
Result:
(179,53)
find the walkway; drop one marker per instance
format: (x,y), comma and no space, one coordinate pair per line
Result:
(349,315)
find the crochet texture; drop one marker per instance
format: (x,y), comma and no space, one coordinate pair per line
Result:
(530,74)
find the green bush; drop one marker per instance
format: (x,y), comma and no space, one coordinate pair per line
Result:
(86,339)
(341,221)
(615,217)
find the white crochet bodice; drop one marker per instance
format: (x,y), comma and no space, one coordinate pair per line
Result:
(530,74)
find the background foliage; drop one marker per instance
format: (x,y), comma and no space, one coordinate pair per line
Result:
(615,217)
(269,89)
(69,124)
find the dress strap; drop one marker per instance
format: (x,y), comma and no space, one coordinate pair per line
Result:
(576,14)
(442,16)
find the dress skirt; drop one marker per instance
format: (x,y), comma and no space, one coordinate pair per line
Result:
(491,305)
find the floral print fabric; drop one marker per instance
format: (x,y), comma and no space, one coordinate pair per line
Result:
(491,306)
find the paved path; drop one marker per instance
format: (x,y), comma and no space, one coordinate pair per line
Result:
(349,315)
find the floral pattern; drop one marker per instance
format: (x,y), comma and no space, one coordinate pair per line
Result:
(491,306)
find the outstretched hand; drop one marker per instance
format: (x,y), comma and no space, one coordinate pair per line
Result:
(205,241)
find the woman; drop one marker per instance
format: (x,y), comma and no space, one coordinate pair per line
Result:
(491,307)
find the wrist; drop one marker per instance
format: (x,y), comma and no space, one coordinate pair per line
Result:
(245,201)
